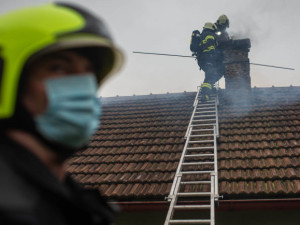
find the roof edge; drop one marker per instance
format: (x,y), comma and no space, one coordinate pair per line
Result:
(224,205)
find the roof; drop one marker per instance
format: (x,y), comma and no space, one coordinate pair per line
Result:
(135,153)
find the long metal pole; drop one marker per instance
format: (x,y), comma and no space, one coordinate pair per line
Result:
(152,53)
(187,56)
(279,67)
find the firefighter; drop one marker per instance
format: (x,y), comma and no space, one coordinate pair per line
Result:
(222,37)
(207,59)
(221,24)
(53,59)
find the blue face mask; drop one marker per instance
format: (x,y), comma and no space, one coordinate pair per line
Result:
(73,110)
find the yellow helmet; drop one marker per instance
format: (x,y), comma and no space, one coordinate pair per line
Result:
(223,20)
(31,32)
(210,26)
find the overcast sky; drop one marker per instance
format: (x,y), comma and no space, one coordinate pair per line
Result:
(165,26)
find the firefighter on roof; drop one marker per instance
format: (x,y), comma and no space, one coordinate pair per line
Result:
(221,24)
(222,37)
(207,58)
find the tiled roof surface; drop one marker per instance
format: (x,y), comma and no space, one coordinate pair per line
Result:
(135,153)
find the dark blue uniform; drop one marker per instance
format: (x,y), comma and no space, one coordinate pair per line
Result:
(31,195)
(207,57)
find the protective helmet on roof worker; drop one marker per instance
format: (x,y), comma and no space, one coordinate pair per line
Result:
(210,26)
(223,21)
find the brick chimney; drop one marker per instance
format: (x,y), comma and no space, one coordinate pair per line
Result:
(237,68)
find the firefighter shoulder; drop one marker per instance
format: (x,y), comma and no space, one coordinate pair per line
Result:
(208,42)
(205,41)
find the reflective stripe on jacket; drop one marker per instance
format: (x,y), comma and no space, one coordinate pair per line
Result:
(208,41)
(206,85)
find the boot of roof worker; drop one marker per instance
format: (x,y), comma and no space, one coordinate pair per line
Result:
(214,90)
(206,89)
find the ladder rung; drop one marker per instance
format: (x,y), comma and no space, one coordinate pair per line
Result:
(202,135)
(202,130)
(192,207)
(202,116)
(206,108)
(203,125)
(196,172)
(212,95)
(207,147)
(203,141)
(198,155)
(207,103)
(196,182)
(201,108)
(187,194)
(197,163)
(189,222)
(204,104)
(213,111)
(203,120)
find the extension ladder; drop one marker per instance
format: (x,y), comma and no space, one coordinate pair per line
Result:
(195,185)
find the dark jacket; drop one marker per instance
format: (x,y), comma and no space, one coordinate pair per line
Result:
(208,42)
(31,195)
(207,53)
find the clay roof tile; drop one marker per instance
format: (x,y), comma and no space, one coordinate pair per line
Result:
(136,151)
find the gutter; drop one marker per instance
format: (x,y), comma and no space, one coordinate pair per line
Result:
(223,205)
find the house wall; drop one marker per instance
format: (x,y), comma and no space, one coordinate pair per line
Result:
(257,217)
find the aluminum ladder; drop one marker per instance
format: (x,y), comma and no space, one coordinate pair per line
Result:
(195,185)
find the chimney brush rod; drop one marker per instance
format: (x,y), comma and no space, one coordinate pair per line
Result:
(279,67)
(187,56)
(152,53)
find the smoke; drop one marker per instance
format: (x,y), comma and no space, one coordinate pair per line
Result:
(264,20)
(259,99)
(248,27)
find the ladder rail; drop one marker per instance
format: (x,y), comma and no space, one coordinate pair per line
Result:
(190,123)
(216,188)
(173,201)
(187,137)
(179,167)
(217,117)
(212,200)
(197,95)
